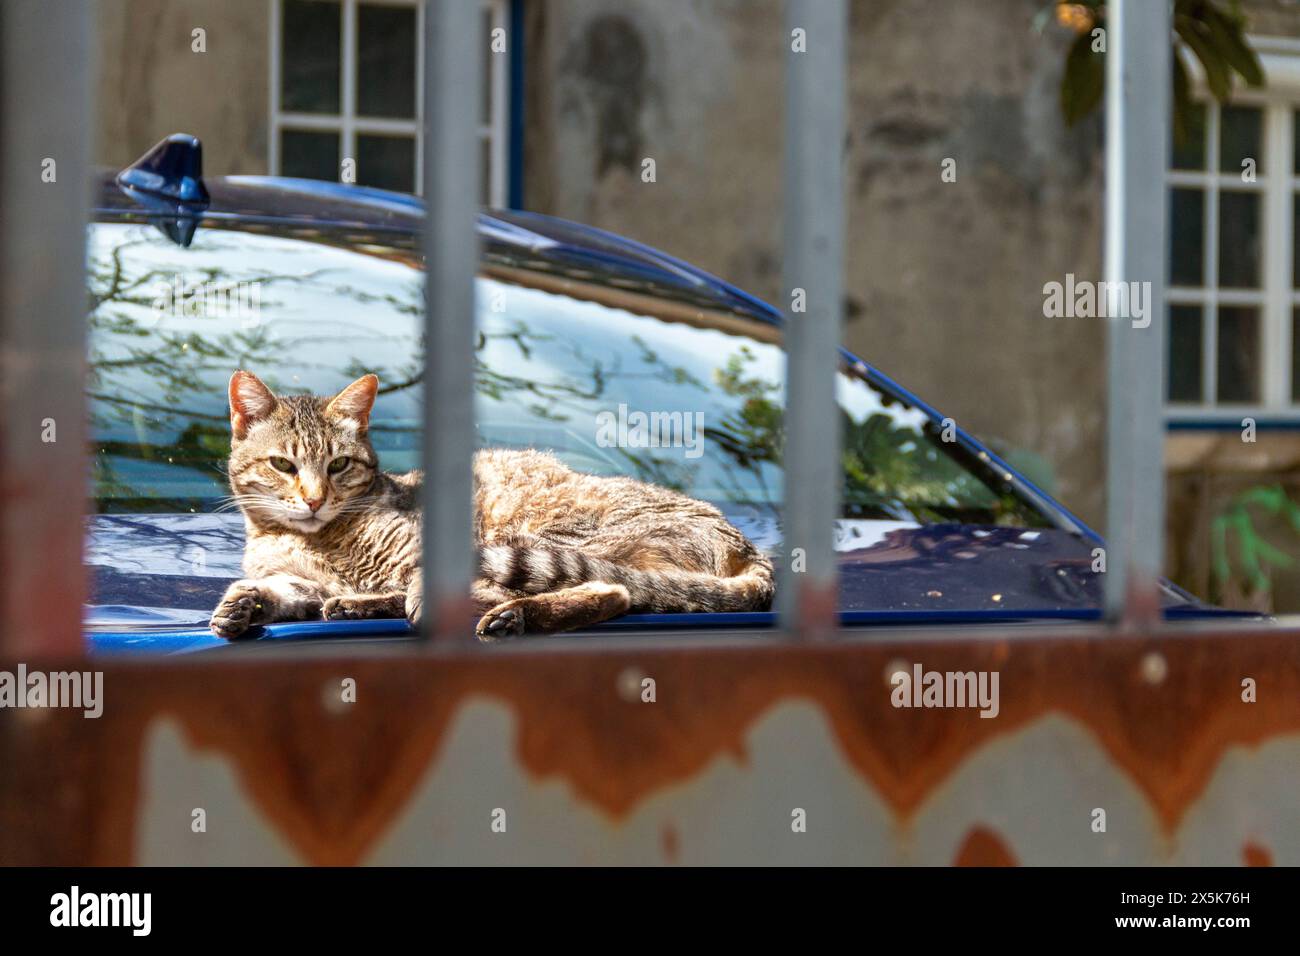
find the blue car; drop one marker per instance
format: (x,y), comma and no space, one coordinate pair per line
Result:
(312,284)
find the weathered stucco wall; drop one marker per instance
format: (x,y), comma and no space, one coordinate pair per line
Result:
(1273,17)
(944,279)
(152,83)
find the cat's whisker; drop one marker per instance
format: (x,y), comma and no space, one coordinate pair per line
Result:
(241,502)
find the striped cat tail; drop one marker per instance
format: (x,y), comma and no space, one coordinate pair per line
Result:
(539,569)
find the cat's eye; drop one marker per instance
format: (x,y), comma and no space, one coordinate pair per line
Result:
(283,464)
(338,464)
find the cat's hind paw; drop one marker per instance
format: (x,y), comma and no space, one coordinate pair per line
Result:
(235,612)
(503,621)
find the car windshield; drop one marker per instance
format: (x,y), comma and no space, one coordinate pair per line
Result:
(613,381)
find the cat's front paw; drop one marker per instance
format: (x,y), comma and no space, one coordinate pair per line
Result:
(361,607)
(415,602)
(234,614)
(504,620)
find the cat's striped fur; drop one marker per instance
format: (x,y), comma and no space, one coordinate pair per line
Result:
(557,549)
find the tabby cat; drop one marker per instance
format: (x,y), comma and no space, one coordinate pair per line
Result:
(331,536)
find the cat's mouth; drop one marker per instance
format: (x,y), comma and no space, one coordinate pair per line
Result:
(309,523)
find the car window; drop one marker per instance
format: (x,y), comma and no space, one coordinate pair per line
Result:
(695,403)
(614,381)
(168,326)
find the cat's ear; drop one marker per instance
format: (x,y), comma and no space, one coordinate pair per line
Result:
(250,402)
(355,401)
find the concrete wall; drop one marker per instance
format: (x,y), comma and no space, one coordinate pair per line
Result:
(151,83)
(944,279)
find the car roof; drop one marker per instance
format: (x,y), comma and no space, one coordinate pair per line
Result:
(542,242)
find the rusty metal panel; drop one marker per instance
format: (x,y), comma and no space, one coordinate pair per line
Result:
(1188,763)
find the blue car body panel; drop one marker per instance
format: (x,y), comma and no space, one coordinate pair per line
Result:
(919,575)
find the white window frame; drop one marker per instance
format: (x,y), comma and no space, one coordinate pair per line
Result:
(348,125)
(1277,183)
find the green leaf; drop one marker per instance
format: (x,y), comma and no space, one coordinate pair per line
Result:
(1084,80)
(1225,36)
(1217,76)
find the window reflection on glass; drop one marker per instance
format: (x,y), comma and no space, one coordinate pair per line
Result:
(1238,354)
(556,372)
(1239,240)
(1185,354)
(547,367)
(168,326)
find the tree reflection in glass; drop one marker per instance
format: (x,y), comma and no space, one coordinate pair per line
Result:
(548,364)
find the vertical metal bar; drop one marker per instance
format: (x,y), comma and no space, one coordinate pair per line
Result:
(516,101)
(273,90)
(1275,311)
(1137,141)
(419,98)
(816,34)
(453,46)
(348,90)
(46,61)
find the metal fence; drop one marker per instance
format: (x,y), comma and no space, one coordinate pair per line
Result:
(47,68)
(1150,726)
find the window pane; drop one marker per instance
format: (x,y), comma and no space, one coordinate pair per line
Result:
(1189,153)
(309,56)
(1295,144)
(1295,355)
(1185,352)
(1239,252)
(1187,237)
(1238,354)
(386,61)
(1239,138)
(305,314)
(1295,243)
(309,154)
(386,162)
(555,371)
(485,91)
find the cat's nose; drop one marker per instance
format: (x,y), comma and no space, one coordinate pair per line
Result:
(313,503)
